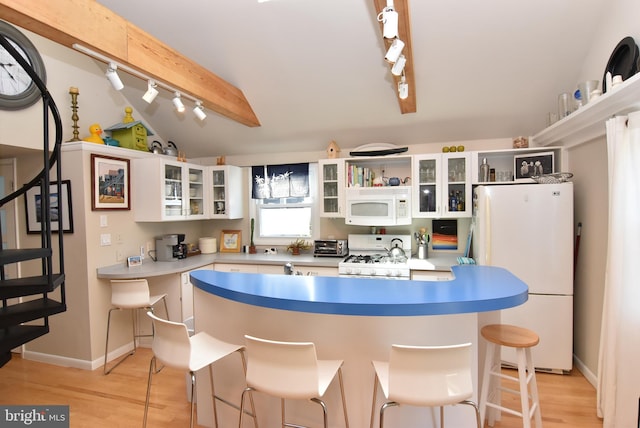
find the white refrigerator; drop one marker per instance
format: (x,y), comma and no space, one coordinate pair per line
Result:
(528,229)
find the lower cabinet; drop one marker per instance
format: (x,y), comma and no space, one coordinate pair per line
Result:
(235,267)
(276,269)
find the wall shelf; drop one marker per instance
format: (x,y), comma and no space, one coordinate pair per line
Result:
(588,122)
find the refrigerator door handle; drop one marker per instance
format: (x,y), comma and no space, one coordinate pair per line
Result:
(487,224)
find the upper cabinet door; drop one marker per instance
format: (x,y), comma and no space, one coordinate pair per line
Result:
(442,185)
(331,187)
(227,190)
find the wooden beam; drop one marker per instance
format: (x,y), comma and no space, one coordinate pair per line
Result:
(92,25)
(404,33)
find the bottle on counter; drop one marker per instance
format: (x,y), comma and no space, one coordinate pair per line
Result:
(484,171)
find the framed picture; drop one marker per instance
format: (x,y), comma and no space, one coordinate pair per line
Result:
(527,166)
(33,208)
(230,241)
(109,183)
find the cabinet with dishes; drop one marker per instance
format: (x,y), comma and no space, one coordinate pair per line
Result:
(442,185)
(167,190)
(226,192)
(378,171)
(331,187)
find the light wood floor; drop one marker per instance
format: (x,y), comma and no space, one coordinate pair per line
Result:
(117,400)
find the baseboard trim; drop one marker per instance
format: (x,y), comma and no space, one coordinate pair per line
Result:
(588,374)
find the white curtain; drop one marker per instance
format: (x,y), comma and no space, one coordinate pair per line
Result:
(619,358)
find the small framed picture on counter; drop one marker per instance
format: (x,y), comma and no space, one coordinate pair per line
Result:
(230,241)
(530,165)
(134,261)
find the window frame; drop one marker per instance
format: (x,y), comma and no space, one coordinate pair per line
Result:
(315,218)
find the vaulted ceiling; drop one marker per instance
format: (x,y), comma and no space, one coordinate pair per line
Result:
(313,71)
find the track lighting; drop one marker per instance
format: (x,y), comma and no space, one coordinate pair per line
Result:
(177,103)
(114,79)
(398,67)
(151,93)
(198,110)
(394,51)
(403,88)
(389,19)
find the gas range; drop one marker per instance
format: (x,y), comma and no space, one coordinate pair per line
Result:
(369,257)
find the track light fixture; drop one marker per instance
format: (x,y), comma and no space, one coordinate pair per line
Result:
(394,51)
(403,88)
(198,110)
(151,93)
(389,19)
(177,103)
(398,67)
(114,79)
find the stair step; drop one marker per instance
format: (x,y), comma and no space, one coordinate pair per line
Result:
(17,335)
(22,254)
(29,311)
(5,357)
(28,286)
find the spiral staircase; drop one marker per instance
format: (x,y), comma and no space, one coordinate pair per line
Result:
(26,301)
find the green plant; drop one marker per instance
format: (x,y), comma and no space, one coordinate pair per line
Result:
(253,225)
(297,245)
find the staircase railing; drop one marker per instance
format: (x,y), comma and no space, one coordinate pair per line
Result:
(13,332)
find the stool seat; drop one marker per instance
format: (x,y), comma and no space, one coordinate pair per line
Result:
(510,335)
(522,339)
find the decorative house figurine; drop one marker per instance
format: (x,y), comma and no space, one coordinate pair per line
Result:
(333,151)
(94,130)
(131,133)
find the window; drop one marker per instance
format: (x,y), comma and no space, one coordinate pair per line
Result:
(280,220)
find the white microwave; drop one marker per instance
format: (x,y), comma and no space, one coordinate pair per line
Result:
(378,206)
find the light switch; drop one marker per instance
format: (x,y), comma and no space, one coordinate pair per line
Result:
(105,239)
(103,220)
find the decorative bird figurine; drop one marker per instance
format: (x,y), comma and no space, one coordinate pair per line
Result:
(95,130)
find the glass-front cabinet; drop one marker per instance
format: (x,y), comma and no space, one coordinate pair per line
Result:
(166,190)
(226,192)
(331,189)
(442,185)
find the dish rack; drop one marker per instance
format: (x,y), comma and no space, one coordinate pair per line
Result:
(558,177)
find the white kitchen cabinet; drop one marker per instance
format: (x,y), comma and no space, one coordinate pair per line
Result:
(235,267)
(226,192)
(442,185)
(331,188)
(302,269)
(167,190)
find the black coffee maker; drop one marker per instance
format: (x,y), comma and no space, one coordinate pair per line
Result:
(180,250)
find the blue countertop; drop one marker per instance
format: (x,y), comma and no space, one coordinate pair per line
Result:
(474,289)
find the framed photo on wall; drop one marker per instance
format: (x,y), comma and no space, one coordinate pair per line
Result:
(230,241)
(531,165)
(109,183)
(33,208)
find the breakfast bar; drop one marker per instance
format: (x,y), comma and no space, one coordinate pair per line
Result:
(355,320)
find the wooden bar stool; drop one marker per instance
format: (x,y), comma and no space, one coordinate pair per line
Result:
(523,340)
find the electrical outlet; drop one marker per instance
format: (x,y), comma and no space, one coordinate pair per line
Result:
(119,238)
(119,255)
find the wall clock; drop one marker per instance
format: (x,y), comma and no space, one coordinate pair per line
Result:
(17,90)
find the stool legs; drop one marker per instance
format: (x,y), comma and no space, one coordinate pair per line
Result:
(490,398)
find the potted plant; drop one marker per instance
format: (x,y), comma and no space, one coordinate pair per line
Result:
(297,245)
(252,245)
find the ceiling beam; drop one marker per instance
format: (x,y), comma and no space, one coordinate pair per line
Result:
(92,25)
(407,105)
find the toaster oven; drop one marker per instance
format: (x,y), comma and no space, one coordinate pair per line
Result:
(330,248)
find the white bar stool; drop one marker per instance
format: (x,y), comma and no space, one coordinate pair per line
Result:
(173,347)
(290,370)
(132,294)
(431,376)
(523,340)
